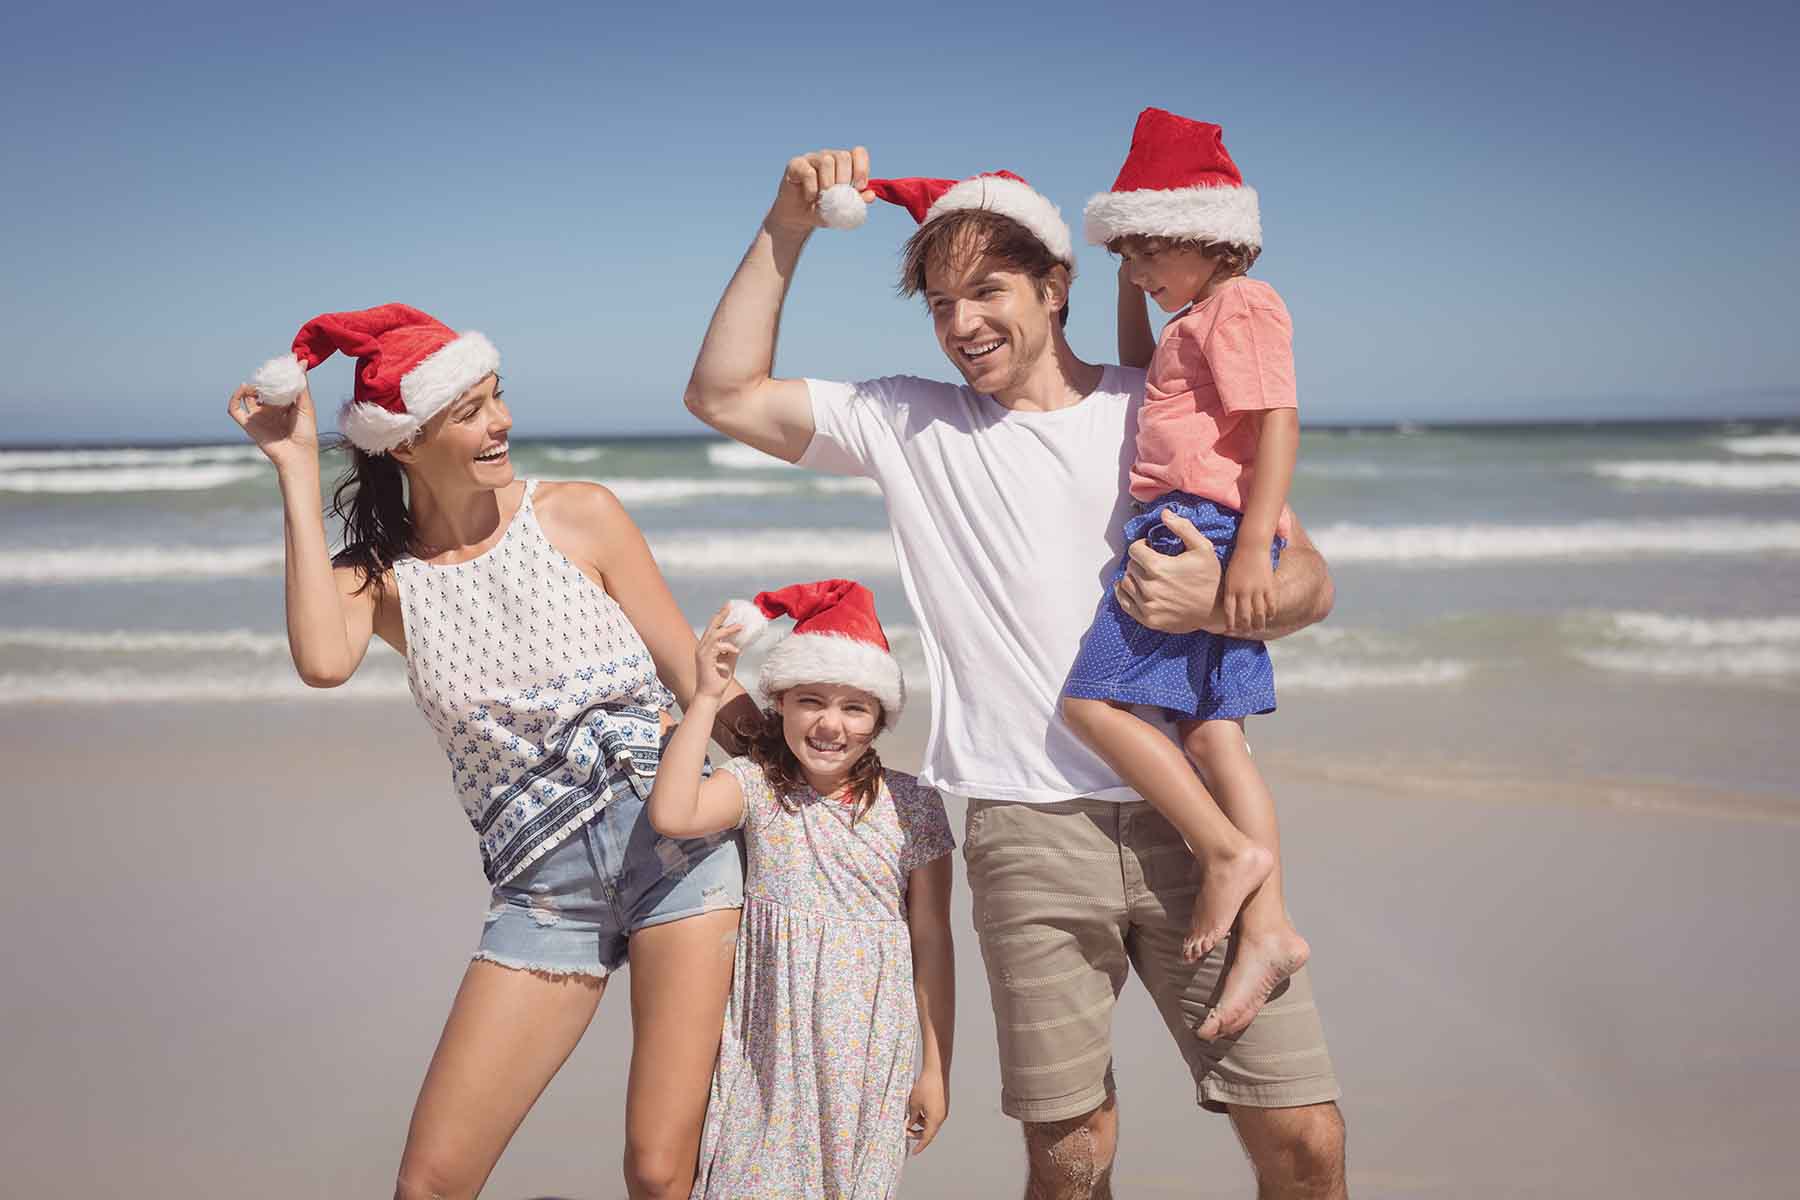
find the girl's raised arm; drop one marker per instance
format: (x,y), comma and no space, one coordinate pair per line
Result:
(681,803)
(330,614)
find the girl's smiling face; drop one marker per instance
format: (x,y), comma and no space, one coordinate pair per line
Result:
(828,726)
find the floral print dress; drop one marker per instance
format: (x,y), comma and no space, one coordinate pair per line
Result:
(809,1095)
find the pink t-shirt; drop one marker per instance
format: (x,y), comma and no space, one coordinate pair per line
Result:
(1219,363)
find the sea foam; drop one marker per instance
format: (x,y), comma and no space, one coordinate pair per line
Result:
(1468,545)
(195,477)
(1719,476)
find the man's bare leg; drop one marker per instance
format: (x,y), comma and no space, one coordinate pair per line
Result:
(1072,1159)
(1297,1153)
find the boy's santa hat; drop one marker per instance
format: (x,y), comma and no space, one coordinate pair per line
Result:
(837,638)
(840,207)
(409,365)
(1177,182)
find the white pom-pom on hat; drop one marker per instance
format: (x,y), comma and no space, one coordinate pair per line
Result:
(842,207)
(279,381)
(754,622)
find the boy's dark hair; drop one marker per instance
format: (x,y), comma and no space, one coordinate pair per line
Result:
(968,233)
(1233,258)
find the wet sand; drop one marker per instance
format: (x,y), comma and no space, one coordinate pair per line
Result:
(234,933)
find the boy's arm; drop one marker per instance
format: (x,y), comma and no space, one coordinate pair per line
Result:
(1180,593)
(732,388)
(934,990)
(1250,597)
(1136,343)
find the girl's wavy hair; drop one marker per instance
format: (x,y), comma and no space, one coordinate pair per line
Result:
(766,745)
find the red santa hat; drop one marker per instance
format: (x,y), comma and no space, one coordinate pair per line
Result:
(409,365)
(1177,182)
(840,207)
(837,638)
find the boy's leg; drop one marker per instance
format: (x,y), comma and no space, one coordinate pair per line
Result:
(1156,769)
(1267,948)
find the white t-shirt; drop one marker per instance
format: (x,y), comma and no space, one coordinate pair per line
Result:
(1005,524)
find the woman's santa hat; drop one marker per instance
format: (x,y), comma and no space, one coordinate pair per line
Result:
(837,638)
(840,207)
(409,366)
(1177,182)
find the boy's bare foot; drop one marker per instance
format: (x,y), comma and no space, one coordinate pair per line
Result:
(1256,968)
(1225,884)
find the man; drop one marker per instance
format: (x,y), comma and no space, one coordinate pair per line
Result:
(1002,495)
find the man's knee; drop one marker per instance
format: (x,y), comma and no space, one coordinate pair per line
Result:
(1296,1152)
(1072,1158)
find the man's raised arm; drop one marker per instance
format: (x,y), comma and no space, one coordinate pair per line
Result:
(732,387)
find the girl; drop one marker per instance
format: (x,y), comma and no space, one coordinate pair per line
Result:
(542,646)
(844,958)
(1217,435)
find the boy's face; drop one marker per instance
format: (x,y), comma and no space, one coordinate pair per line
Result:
(1174,276)
(991,320)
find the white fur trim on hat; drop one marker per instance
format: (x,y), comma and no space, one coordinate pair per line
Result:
(279,381)
(834,658)
(373,429)
(446,374)
(1021,202)
(842,207)
(1205,214)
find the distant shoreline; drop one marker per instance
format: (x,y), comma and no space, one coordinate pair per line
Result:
(1547,427)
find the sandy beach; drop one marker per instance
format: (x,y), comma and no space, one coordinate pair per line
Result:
(235,932)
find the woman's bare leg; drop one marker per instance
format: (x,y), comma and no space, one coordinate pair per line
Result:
(508,1033)
(1267,948)
(680,978)
(1233,864)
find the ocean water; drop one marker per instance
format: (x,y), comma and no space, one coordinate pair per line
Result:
(1523,560)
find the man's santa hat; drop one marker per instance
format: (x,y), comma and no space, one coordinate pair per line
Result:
(840,207)
(409,366)
(837,638)
(1177,182)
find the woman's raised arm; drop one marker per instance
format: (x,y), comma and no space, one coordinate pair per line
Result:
(330,616)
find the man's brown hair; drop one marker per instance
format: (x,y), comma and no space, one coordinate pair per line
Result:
(1233,259)
(963,234)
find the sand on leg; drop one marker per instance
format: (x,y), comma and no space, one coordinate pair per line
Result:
(1234,864)
(680,979)
(1267,948)
(508,1033)
(1072,1159)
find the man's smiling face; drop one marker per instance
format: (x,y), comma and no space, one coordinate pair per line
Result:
(992,320)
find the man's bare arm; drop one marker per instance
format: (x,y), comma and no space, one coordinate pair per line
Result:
(1180,593)
(732,387)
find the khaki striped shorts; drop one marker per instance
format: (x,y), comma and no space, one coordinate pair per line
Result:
(1066,896)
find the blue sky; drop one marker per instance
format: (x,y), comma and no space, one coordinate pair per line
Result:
(1479,212)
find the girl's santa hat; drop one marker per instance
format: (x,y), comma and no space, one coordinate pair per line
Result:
(840,207)
(409,366)
(1177,182)
(837,638)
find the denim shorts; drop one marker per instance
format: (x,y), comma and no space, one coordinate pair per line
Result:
(573,911)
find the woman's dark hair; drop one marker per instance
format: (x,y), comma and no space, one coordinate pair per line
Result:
(370,499)
(766,745)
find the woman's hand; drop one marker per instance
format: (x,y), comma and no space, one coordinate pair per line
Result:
(287,433)
(926,1109)
(715,662)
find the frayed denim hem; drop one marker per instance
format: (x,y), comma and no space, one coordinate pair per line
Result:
(539,969)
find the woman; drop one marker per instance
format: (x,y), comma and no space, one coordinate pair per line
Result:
(542,645)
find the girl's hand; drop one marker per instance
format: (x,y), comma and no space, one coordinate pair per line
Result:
(926,1109)
(1249,591)
(287,433)
(715,662)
